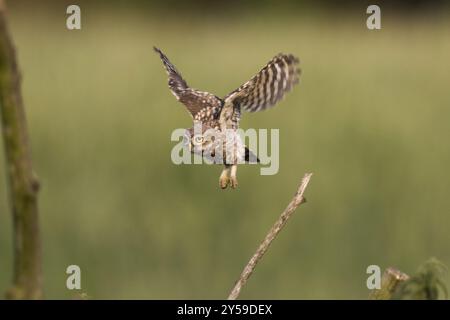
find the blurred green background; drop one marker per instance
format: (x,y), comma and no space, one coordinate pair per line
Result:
(371,119)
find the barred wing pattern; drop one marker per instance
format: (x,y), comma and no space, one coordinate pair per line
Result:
(194,100)
(268,86)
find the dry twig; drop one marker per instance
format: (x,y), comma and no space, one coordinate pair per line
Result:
(23,185)
(390,280)
(274,231)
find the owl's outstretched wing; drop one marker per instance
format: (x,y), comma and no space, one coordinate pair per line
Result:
(194,100)
(268,86)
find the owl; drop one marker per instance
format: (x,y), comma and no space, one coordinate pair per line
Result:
(216,120)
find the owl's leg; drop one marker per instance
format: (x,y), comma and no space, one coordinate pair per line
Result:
(233,178)
(225,177)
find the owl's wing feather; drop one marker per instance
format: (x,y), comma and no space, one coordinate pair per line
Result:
(194,100)
(268,86)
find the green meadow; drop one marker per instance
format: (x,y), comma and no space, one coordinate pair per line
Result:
(370,119)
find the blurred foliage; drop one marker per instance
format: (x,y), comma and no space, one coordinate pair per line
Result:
(369,118)
(426,284)
(254,5)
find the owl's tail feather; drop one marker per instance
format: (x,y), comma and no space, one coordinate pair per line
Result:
(250,157)
(176,82)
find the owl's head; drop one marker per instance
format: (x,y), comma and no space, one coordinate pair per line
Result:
(201,138)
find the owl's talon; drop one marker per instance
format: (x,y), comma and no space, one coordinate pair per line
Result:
(233,182)
(223,182)
(224,179)
(233,178)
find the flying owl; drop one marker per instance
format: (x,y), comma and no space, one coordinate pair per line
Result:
(216,120)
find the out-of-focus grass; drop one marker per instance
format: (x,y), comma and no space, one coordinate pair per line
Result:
(370,119)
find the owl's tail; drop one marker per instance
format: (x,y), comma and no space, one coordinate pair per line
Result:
(250,157)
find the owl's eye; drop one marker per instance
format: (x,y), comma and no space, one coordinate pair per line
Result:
(198,139)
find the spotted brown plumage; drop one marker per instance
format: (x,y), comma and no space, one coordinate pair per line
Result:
(202,105)
(261,92)
(268,86)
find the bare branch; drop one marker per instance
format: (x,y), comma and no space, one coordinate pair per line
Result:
(23,184)
(271,235)
(389,282)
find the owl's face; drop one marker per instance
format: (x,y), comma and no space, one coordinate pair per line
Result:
(199,142)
